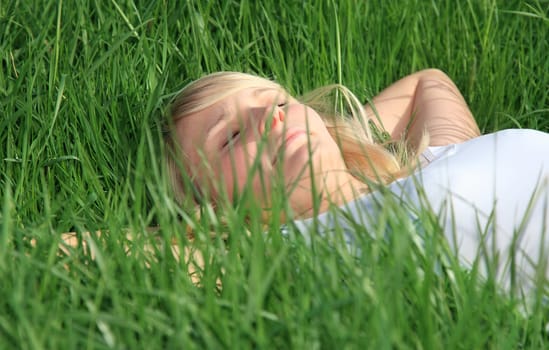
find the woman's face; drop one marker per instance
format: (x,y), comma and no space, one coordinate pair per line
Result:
(264,129)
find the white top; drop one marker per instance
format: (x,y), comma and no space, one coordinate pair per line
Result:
(486,190)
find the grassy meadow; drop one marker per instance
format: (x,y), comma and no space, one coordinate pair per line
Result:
(83,88)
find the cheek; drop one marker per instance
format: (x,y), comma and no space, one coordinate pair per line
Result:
(232,171)
(316,122)
(308,118)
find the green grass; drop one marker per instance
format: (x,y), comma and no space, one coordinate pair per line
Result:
(82,87)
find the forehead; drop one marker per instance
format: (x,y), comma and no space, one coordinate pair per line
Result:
(193,129)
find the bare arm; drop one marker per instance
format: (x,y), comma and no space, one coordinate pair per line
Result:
(424,101)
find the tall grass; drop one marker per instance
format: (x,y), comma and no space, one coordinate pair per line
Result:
(83,85)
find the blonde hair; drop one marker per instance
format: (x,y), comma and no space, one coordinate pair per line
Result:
(366,156)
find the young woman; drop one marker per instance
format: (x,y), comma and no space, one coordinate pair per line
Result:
(231,132)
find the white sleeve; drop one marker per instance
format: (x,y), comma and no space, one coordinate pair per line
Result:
(491,194)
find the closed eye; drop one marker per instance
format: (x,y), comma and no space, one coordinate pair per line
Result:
(233,137)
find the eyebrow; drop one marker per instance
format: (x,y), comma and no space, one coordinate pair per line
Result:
(260,91)
(220,115)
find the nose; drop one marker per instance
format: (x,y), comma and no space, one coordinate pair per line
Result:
(272,117)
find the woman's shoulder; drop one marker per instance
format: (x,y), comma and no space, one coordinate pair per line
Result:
(496,155)
(505,169)
(505,166)
(508,138)
(501,145)
(511,135)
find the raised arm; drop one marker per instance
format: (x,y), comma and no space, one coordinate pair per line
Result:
(424,101)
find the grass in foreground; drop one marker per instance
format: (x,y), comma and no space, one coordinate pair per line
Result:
(81,87)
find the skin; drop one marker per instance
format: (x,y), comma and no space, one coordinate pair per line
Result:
(223,140)
(267,126)
(424,101)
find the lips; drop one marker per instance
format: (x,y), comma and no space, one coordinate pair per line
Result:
(292,135)
(289,136)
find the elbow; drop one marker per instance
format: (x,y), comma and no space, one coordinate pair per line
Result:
(433,73)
